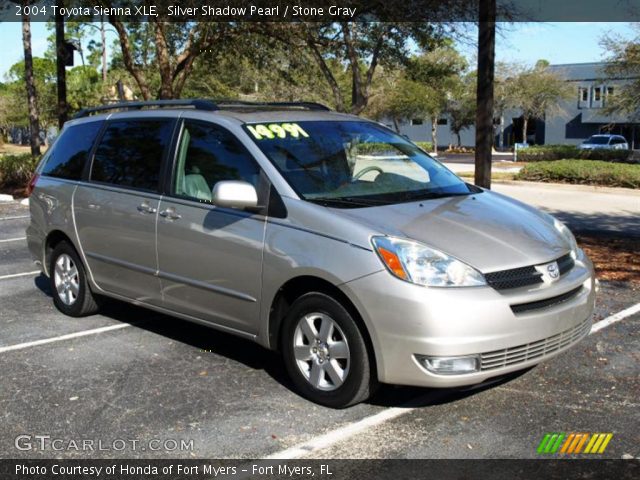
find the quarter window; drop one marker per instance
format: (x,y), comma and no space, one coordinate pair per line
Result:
(208,154)
(130,153)
(69,153)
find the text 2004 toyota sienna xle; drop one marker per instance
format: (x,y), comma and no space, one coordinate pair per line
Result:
(324,236)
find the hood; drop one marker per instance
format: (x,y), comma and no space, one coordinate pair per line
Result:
(488,231)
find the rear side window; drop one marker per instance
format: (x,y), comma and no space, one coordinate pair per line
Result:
(130,153)
(70,152)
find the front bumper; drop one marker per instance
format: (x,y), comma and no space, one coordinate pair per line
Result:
(405,320)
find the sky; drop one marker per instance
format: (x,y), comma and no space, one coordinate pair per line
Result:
(525,43)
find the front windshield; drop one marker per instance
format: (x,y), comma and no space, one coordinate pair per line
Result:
(598,140)
(351,163)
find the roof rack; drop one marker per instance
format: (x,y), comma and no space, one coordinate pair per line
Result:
(293,105)
(199,104)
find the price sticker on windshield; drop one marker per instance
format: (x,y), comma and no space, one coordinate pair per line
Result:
(272,131)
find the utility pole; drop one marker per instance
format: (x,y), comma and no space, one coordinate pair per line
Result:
(484,112)
(62,59)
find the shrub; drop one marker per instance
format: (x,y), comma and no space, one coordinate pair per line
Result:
(584,172)
(426,146)
(376,148)
(17,170)
(541,153)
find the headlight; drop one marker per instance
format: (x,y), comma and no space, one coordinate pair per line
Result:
(419,264)
(568,236)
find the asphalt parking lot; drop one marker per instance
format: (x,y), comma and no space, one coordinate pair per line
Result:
(146,376)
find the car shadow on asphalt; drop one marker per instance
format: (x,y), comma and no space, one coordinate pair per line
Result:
(254,356)
(627,226)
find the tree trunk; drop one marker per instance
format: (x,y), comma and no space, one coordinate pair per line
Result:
(484,111)
(459,139)
(103,39)
(525,122)
(34,122)
(127,57)
(501,137)
(434,134)
(396,125)
(163,61)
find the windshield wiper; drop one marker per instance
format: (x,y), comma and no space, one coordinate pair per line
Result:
(346,201)
(433,195)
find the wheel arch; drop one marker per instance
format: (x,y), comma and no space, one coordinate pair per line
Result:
(53,239)
(296,287)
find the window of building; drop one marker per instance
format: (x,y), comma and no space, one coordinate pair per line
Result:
(442,121)
(130,153)
(610,91)
(583,94)
(207,155)
(417,121)
(70,152)
(597,94)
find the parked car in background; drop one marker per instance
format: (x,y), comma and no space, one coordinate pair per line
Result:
(606,142)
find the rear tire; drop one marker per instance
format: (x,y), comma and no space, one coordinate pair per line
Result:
(68,280)
(325,352)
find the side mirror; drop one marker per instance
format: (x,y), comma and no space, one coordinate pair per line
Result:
(234,194)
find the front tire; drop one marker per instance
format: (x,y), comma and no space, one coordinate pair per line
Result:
(325,352)
(69,287)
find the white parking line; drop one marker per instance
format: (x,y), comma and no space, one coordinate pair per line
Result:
(16,275)
(615,318)
(13,239)
(340,434)
(14,218)
(69,336)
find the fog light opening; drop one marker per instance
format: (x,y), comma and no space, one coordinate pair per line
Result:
(450,365)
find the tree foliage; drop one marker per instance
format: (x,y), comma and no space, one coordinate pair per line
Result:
(537,92)
(623,62)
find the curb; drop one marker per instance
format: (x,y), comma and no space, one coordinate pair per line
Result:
(571,186)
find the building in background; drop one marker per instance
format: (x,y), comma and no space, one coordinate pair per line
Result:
(581,117)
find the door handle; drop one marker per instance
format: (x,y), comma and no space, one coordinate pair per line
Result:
(170,214)
(144,207)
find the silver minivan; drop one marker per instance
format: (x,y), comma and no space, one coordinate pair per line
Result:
(324,236)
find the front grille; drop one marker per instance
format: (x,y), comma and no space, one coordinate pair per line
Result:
(547,302)
(524,276)
(565,263)
(534,350)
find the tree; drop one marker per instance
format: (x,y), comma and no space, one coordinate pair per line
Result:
(44,77)
(32,100)
(537,92)
(439,71)
(503,95)
(624,62)
(400,99)
(355,51)
(462,106)
(171,48)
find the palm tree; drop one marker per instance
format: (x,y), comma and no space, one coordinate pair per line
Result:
(34,122)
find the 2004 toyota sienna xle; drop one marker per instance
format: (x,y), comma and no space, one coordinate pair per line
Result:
(324,236)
